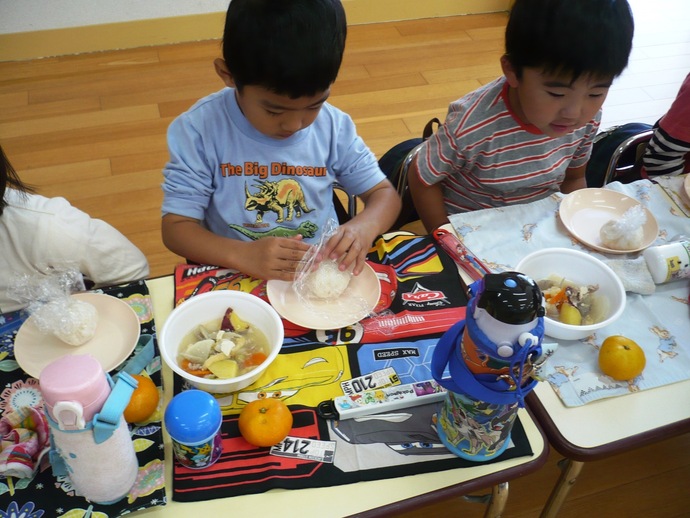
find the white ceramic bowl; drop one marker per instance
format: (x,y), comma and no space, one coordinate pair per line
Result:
(580,268)
(209,306)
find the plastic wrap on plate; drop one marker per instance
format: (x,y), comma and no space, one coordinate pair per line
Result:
(320,281)
(52,309)
(626,232)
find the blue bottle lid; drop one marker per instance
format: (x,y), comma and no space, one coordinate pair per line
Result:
(192,417)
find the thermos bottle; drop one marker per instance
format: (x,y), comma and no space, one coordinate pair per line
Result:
(90,440)
(669,262)
(490,357)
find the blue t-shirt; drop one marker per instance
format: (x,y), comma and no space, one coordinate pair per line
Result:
(244,185)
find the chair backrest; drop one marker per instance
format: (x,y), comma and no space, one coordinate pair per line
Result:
(614,155)
(632,147)
(344,213)
(408,213)
(395,163)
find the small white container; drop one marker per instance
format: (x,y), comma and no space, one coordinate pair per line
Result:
(669,262)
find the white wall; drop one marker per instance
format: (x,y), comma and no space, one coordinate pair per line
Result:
(38,15)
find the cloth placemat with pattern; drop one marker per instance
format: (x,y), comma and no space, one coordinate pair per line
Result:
(659,323)
(43,494)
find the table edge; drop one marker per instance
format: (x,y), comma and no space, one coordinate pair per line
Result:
(571,451)
(464,488)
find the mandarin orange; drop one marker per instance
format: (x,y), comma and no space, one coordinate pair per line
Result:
(265,422)
(144,401)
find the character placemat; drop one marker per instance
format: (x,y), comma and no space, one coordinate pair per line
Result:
(423,297)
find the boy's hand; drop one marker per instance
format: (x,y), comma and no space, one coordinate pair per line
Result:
(273,258)
(350,245)
(268,258)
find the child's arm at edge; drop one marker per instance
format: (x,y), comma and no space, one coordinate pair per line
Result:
(267,258)
(574,179)
(428,200)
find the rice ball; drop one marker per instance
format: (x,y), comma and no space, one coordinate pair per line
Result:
(626,232)
(327,281)
(78,323)
(616,237)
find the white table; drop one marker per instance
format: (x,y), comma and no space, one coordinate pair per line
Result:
(605,427)
(362,498)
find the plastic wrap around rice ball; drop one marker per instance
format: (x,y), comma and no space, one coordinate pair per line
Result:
(327,282)
(72,321)
(626,232)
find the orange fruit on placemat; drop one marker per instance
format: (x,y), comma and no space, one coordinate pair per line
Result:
(265,422)
(621,358)
(144,400)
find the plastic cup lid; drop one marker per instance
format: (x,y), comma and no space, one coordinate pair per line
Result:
(193,416)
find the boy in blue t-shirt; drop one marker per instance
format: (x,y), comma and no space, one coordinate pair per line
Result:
(529,133)
(249,184)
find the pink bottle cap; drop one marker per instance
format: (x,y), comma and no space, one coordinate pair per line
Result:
(76,385)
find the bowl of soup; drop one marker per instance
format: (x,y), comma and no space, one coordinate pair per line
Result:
(221,341)
(571,280)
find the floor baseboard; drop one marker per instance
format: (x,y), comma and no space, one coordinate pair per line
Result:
(161,31)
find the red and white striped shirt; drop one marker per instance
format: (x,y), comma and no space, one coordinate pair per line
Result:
(484,156)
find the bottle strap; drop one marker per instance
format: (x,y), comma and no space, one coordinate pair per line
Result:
(442,353)
(487,388)
(108,419)
(56,461)
(144,356)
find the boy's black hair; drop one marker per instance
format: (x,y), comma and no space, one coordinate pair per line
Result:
(291,47)
(576,37)
(9,178)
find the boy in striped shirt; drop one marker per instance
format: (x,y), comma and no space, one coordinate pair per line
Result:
(668,151)
(529,133)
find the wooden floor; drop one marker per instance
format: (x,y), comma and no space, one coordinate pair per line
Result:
(92,128)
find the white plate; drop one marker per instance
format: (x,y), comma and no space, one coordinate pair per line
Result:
(358,300)
(585,211)
(116,337)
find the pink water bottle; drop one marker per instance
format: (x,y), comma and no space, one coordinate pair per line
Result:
(74,389)
(90,440)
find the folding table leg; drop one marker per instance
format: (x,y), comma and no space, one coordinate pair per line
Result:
(499,499)
(570,469)
(495,502)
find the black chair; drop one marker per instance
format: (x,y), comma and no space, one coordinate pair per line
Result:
(626,160)
(617,154)
(344,213)
(408,213)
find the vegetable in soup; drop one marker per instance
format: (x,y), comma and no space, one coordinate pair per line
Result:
(223,348)
(572,303)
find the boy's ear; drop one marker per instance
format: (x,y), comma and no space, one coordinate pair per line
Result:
(223,72)
(509,71)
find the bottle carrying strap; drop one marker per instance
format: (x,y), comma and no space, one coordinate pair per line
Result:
(108,419)
(463,381)
(442,353)
(142,357)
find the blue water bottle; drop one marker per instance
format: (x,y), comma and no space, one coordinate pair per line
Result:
(193,419)
(491,356)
